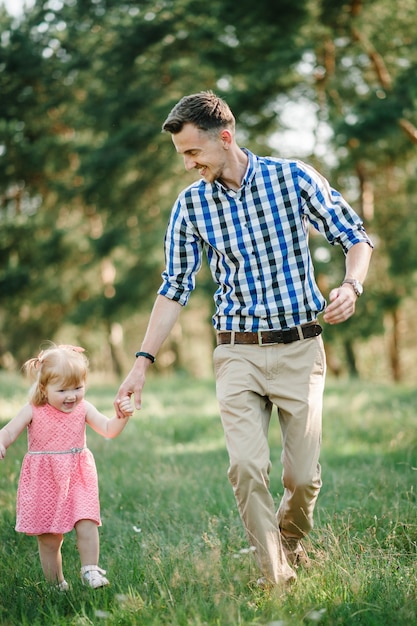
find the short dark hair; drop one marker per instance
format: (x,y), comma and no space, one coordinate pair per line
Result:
(204,109)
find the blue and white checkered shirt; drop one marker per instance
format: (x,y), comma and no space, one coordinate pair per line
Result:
(256,241)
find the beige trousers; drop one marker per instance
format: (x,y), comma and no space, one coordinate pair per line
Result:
(250,380)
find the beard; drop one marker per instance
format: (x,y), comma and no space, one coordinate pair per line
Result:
(209,175)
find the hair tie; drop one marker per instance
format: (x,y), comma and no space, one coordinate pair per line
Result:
(39,359)
(69,347)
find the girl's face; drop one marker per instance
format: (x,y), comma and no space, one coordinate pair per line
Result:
(64,398)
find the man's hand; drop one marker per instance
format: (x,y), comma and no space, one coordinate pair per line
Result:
(132,385)
(342,305)
(343,299)
(164,315)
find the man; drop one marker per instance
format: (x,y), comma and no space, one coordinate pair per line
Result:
(250,215)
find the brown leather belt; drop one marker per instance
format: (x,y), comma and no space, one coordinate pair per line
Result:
(265,337)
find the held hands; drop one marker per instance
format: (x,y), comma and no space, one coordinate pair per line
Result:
(125,408)
(342,305)
(132,386)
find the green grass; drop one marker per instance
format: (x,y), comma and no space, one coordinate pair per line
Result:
(172,541)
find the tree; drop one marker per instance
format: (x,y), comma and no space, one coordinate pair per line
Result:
(364,69)
(87,179)
(86,87)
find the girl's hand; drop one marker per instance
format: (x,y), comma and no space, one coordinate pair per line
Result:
(125,406)
(2,452)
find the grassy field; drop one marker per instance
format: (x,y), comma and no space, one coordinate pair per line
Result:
(172,541)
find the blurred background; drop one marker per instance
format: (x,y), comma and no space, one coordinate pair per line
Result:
(87,179)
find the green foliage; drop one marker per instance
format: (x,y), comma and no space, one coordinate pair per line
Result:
(85,88)
(172,541)
(87,179)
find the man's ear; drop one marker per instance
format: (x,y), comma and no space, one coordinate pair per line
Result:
(226,138)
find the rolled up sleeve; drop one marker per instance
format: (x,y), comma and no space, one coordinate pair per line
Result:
(183,257)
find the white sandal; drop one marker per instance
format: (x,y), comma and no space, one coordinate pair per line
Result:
(93,576)
(62,586)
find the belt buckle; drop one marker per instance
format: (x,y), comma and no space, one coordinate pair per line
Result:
(260,342)
(285,335)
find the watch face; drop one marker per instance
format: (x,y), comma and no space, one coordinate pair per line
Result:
(358,288)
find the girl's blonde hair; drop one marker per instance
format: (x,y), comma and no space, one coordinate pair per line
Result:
(64,364)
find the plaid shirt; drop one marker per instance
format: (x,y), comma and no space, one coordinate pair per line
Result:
(256,241)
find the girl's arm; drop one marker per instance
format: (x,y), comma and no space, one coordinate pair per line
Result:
(14,428)
(108,427)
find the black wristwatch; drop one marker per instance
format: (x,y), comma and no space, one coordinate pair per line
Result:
(357,286)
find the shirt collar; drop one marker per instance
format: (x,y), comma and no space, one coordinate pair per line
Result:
(251,169)
(249,174)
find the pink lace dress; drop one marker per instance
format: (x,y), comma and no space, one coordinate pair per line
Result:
(58,483)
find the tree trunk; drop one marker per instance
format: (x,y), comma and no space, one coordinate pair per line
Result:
(394,345)
(351,359)
(115,335)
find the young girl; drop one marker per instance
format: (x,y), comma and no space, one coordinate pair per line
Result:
(58,486)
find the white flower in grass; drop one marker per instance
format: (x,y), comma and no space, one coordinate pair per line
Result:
(244,551)
(136,529)
(315,615)
(121,598)
(102,614)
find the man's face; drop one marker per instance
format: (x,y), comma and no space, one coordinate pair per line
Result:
(203,151)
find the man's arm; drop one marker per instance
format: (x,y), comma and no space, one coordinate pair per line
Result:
(164,315)
(343,298)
